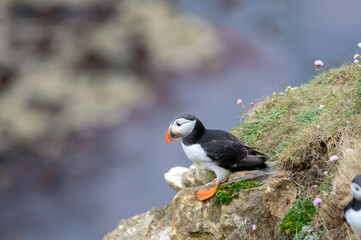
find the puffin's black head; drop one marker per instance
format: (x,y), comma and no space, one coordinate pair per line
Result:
(356,187)
(180,127)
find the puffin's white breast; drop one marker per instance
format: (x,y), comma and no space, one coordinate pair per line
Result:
(354,219)
(196,154)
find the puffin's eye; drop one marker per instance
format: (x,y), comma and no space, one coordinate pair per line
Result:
(357,188)
(178,124)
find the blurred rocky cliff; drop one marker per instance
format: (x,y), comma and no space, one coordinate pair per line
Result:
(70,66)
(188,218)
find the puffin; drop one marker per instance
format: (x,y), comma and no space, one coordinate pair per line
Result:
(352,213)
(217,150)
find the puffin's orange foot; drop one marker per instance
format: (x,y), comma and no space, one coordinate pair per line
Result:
(215,181)
(205,194)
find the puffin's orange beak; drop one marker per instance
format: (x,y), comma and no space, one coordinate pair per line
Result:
(169,134)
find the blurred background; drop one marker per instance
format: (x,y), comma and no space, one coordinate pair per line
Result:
(88,88)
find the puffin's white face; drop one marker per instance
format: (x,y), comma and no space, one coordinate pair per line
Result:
(356,191)
(179,128)
(182,127)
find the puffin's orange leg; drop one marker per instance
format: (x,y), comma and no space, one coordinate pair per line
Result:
(215,181)
(207,193)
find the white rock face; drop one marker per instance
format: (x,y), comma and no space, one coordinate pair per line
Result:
(174,177)
(182,177)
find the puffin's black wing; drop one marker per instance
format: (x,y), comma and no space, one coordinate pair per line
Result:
(229,152)
(251,151)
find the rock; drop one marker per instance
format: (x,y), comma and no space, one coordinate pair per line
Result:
(174,177)
(181,177)
(263,206)
(90,65)
(174,43)
(189,218)
(153,225)
(52,100)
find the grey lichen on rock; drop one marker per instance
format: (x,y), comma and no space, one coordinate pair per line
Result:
(189,218)
(182,177)
(154,225)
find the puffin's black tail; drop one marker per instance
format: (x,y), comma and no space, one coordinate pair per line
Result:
(254,161)
(252,152)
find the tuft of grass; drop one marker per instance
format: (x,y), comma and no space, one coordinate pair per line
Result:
(298,216)
(306,117)
(308,232)
(253,128)
(358,94)
(228,191)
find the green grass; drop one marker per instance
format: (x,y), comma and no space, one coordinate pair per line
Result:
(298,216)
(358,94)
(284,127)
(253,128)
(281,147)
(228,191)
(309,233)
(306,117)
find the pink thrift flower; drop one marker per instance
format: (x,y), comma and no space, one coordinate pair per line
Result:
(317,201)
(322,106)
(357,56)
(318,64)
(333,158)
(254,227)
(359,45)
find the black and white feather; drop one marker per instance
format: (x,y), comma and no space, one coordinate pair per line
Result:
(217,150)
(352,213)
